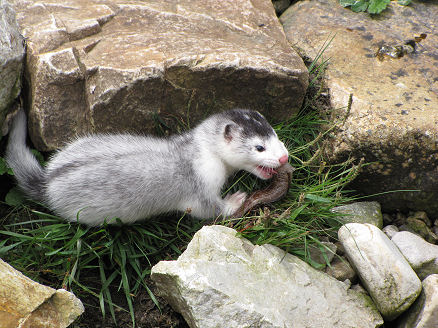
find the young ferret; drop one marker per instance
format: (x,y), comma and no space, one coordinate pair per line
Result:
(102,177)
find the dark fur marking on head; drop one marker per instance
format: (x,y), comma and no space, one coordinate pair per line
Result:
(251,122)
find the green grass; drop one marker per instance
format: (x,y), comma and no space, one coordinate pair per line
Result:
(88,261)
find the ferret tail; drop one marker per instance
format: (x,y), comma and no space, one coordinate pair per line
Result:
(28,172)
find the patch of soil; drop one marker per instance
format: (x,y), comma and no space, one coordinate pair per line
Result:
(147,315)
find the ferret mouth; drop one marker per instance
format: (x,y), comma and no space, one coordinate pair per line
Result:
(266,172)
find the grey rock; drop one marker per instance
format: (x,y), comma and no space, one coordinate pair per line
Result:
(360,212)
(11,60)
(383,270)
(225,281)
(390,230)
(421,255)
(424,312)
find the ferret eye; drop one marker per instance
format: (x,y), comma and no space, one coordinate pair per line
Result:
(260,148)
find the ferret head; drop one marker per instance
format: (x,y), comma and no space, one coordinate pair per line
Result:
(251,144)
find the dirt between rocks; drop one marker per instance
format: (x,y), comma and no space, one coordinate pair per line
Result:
(147,315)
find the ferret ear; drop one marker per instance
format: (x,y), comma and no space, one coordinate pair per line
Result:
(229,132)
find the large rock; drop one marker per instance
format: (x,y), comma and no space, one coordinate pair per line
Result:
(421,255)
(424,312)
(111,65)
(28,304)
(11,60)
(360,212)
(383,270)
(225,281)
(393,122)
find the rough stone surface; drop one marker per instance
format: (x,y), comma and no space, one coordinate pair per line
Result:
(225,281)
(383,270)
(11,60)
(361,212)
(424,312)
(393,122)
(421,255)
(28,304)
(115,65)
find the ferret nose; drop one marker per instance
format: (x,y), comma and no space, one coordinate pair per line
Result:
(283,159)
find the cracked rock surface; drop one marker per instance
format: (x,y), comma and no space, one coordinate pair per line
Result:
(112,65)
(393,121)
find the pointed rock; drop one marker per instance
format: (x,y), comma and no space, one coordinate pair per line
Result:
(28,304)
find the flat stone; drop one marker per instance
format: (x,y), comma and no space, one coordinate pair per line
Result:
(421,255)
(114,65)
(393,121)
(225,281)
(11,60)
(28,304)
(360,212)
(424,312)
(383,270)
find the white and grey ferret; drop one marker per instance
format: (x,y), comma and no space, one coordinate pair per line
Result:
(101,177)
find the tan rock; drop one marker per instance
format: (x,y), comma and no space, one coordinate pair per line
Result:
(28,304)
(116,65)
(394,116)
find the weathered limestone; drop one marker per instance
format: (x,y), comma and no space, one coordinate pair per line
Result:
(393,122)
(421,255)
(11,60)
(383,270)
(225,281)
(27,304)
(424,312)
(360,212)
(111,65)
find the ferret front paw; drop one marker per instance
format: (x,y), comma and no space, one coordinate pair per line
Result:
(233,202)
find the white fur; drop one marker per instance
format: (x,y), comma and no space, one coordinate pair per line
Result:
(102,177)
